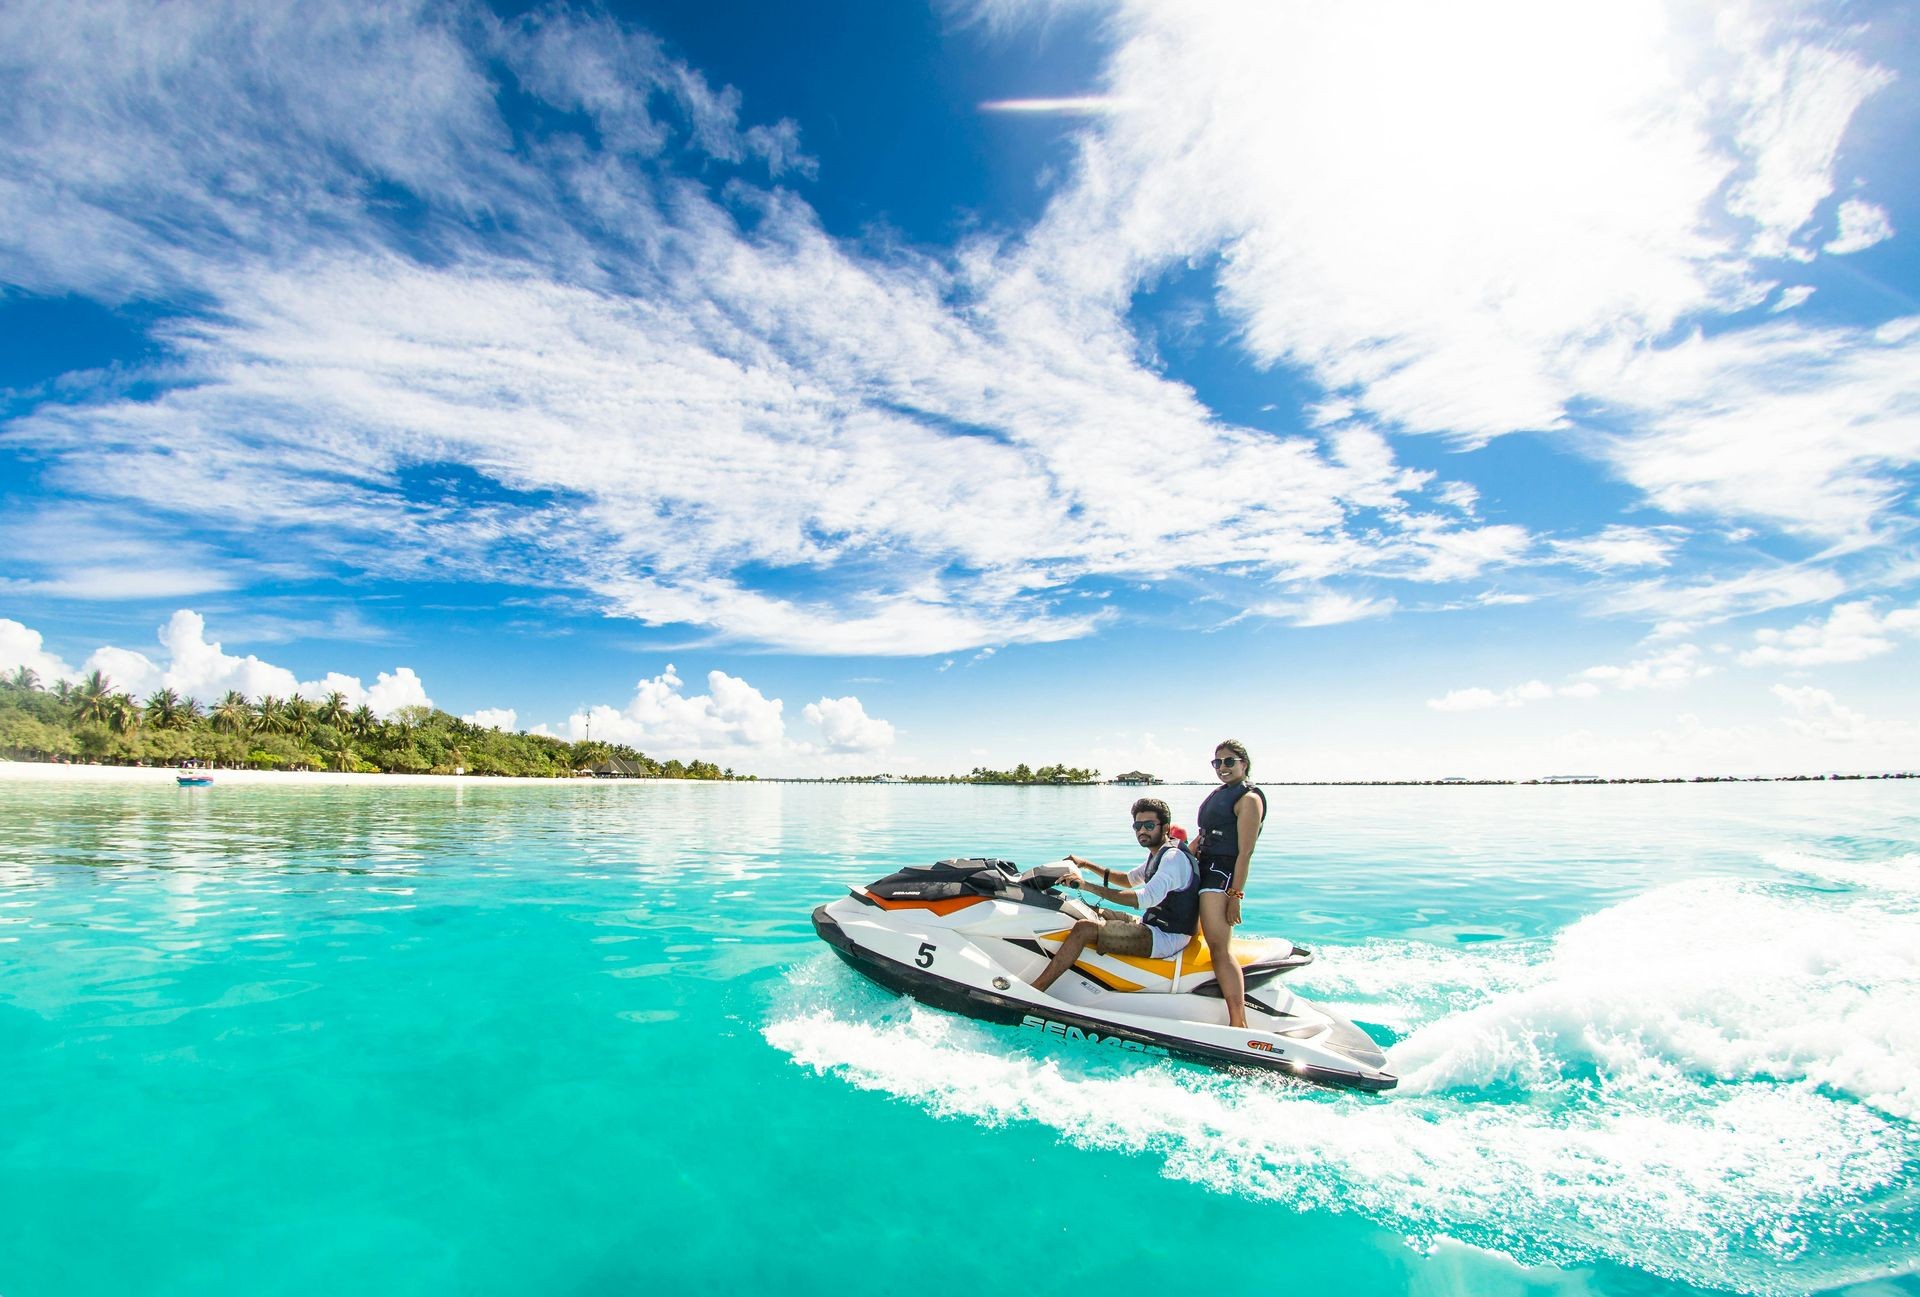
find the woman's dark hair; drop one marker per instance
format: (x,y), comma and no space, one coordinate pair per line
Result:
(1161,811)
(1238,749)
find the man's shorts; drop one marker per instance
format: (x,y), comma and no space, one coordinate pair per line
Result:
(1122,934)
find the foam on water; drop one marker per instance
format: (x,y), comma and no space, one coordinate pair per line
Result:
(1714,1081)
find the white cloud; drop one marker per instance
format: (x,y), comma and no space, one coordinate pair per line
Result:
(1667,669)
(1578,223)
(1480,699)
(396,689)
(731,724)
(1852,632)
(21,646)
(1715,599)
(1620,546)
(1789,298)
(126,670)
(657,386)
(1328,608)
(1118,753)
(1805,428)
(496,718)
(1796,97)
(1477,270)
(647,426)
(1664,670)
(1818,715)
(86,553)
(846,727)
(732,715)
(200,668)
(1862,224)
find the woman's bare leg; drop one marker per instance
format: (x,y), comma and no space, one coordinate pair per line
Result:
(1219,934)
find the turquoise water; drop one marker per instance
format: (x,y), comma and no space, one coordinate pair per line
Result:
(581,1040)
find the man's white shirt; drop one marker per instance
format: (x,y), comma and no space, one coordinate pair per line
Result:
(1174,873)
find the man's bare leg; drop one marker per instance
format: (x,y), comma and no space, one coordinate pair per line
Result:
(1084,933)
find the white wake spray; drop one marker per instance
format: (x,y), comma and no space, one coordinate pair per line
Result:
(1707,1082)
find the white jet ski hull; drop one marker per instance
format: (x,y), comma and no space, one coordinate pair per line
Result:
(979,961)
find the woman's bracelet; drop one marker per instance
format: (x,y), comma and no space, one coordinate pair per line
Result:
(1236,894)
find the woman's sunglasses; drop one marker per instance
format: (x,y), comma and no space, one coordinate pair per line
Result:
(1223,763)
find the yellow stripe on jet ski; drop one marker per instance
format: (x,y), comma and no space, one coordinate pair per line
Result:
(1109,980)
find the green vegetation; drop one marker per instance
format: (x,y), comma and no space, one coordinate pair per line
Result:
(91,721)
(1020,774)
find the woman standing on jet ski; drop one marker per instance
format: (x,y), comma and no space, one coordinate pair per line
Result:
(1228,826)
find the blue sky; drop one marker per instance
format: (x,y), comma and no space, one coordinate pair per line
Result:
(1409,390)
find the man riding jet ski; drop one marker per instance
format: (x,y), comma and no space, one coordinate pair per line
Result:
(973,935)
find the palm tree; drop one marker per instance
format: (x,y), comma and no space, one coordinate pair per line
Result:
(123,713)
(300,714)
(191,711)
(333,711)
(270,715)
(93,699)
(26,680)
(361,722)
(164,710)
(233,713)
(63,691)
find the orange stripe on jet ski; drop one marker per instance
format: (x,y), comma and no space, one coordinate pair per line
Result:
(950,906)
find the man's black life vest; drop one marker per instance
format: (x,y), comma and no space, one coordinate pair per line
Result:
(1178,911)
(1219,827)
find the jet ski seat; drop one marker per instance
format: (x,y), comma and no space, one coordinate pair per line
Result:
(1260,962)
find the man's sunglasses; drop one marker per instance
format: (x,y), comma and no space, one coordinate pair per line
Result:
(1222,763)
(1141,826)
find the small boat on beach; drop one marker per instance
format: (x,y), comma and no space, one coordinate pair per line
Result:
(189,777)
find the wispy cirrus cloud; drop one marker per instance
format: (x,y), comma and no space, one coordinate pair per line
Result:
(662,382)
(1619,546)
(1600,178)
(634,383)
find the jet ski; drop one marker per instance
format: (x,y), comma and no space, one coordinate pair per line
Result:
(969,935)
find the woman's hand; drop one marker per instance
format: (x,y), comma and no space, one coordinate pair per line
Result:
(1233,911)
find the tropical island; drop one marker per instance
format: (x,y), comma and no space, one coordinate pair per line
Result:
(91,721)
(1020,774)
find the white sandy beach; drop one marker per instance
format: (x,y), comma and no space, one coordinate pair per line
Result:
(79,772)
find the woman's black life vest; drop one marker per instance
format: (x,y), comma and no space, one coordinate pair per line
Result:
(1219,827)
(1179,910)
